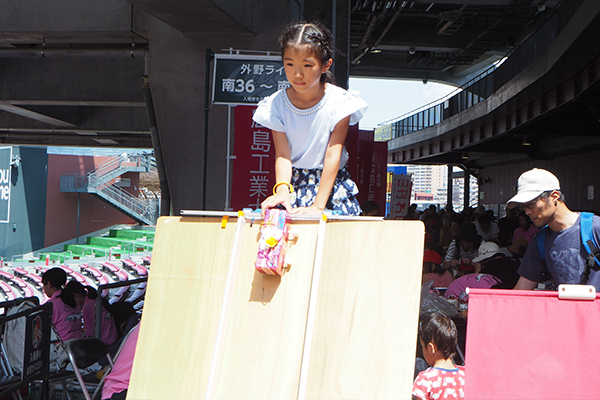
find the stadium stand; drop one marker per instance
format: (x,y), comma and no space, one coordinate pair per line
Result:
(116,263)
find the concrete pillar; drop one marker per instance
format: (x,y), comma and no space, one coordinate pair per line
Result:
(449,193)
(340,26)
(177,75)
(466,188)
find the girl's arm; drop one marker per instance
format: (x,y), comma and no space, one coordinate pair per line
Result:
(331,166)
(283,173)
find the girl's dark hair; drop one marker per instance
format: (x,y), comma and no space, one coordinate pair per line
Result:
(433,268)
(313,36)
(57,277)
(77,288)
(527,219)
(440,330)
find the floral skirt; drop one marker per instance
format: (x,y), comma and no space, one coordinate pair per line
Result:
(342,200)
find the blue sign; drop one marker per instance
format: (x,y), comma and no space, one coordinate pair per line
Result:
(397,169)
(246,80)
(5,182)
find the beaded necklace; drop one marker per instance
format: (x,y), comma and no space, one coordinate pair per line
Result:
(312,110)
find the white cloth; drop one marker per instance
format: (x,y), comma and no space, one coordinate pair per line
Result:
(308,131)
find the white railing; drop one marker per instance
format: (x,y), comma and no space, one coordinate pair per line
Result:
(98,181)
(132,205)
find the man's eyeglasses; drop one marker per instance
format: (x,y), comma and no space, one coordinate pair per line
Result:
(529,205)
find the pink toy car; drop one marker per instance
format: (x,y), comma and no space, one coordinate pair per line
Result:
(272,245)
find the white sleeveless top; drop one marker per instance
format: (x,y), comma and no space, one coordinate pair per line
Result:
(308,131)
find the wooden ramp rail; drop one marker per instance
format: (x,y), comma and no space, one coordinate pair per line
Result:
(199,341)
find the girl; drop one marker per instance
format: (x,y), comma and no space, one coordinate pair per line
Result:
(433,271)
(526,229)
(66,315)
(86,298)
(463,249)
(309,121)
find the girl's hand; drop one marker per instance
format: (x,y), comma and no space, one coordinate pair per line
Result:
(282,197)
(311,210)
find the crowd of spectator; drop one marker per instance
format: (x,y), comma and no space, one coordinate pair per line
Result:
(471,249)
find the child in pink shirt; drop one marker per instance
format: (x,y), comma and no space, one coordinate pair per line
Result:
(66,314)
(526,229)
(116,382)
(433,271)
(86,298)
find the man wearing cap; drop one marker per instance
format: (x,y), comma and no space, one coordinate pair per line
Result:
(539,195)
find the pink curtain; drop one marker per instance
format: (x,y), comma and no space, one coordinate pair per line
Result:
(531,345)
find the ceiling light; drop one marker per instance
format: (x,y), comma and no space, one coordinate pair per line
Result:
(375,51)
(411,51)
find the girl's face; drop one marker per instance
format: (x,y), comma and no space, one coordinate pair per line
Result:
(467,245)
(522,221)
(303,69)
(454,229)
(46,287)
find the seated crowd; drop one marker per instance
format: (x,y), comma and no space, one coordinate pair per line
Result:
(473,243)
(466,250)
(74,317)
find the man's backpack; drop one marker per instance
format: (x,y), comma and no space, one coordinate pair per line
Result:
(587,237)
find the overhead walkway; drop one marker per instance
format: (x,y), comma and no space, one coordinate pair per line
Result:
(540,104)
(101,182)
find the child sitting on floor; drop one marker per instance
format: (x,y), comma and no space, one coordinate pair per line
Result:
(433,271)
(443,380)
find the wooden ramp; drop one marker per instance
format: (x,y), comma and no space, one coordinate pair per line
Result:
(209,331)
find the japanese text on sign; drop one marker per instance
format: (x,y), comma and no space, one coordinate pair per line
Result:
(259,175)
(401,188)
(374,183)
(247,80)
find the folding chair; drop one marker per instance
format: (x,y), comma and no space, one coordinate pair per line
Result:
(83,353)
(7,375)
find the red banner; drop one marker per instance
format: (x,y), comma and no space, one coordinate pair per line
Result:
(367,166)
(376,188)
(254,164)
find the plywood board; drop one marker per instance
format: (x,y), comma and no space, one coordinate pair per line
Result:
(368,310)
(364,328)
(180,323)
(264,344)
(178,329)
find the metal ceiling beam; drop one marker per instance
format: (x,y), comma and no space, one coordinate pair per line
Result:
(46,119)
